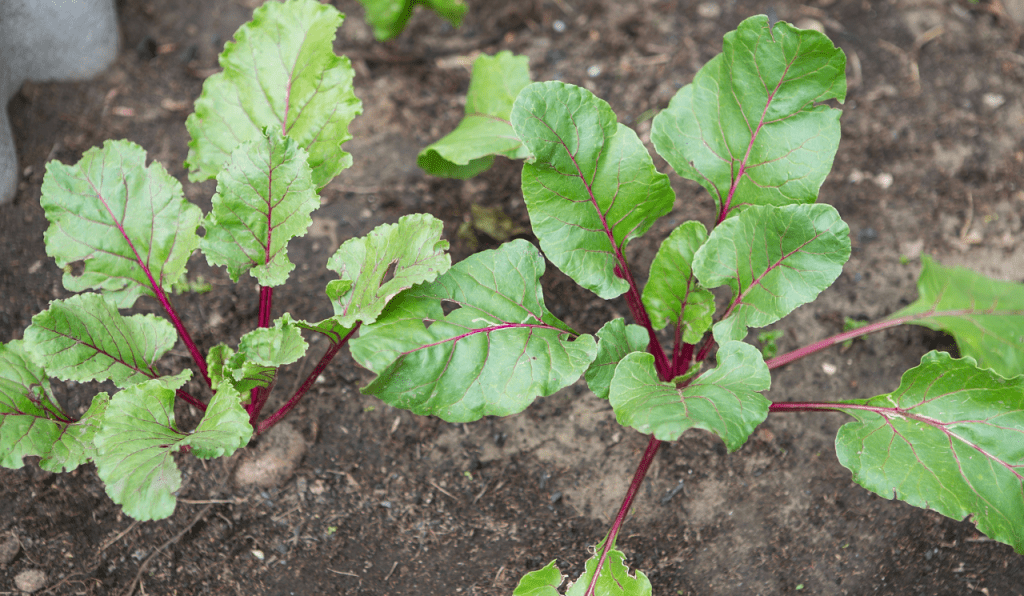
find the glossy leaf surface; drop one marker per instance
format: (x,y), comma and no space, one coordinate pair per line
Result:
(129,225)
(485,131)
(950,439)
(986,316)
(264,199)
(774,259)
(280,72)
(590,185)
(672,292)
(752,127)
(493,355)
(725,400)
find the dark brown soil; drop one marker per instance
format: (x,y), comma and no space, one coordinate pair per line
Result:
(932,159)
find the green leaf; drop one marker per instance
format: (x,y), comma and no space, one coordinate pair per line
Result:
(590,186)
(724,400)
(376,267)
(30,419)
(76,443)
(129,226)
(774,259)
(485,131)
(752,128)
(985,316)
(85,338)
(134,447)
(388,17)
(950,439)
(260,353)
(334,331)
(493,355)
(614,579)
(672,292)
(543,582)
(280,72)
(615,341)
(264,198)
(139,435)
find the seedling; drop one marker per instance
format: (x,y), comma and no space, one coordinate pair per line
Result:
(270,129)
(756,130)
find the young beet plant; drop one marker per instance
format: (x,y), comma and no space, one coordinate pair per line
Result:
(754,130)
(269,128)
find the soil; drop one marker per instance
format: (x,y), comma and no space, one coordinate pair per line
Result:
(383,502)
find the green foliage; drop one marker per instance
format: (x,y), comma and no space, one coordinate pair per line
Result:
(280,72)
(614,579)
(672,292)
(485,131)
(388,17)
(949,439)
(985,316)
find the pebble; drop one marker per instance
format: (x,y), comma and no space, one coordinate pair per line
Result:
(709,10)
(274,461)
(9,548)
(30,580)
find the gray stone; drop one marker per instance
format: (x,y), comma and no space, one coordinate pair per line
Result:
(48,41)
(30,580)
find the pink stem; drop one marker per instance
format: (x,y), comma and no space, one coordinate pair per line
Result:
(634,487)
(294,400)
(788,357)
(181,393)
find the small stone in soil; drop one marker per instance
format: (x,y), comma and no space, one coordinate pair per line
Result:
(9,548)
(30,580)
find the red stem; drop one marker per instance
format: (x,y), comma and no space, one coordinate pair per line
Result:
(185,395)
(258,395)
(634,487)
(294,400)
(788,357)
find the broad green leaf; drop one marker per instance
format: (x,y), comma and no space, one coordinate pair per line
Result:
(614,341)
(486,130)
(724,400)
(614,579)
(30,419)
(76,443)
(752,127)
(950,439)
(280,72)
(330,328)
(590,185)
(129,226)
(376,267)
(774,259)
(985,316)
(134,447)
(139,435)
(543,582)
(672,292)
(388,17)
(493,355)
(85,338)
(264,198)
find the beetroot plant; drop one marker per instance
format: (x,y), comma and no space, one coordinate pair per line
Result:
(474,339)
(756,129)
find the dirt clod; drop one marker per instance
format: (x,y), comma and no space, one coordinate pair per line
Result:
(274,461)
(9,547)
(30,580)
